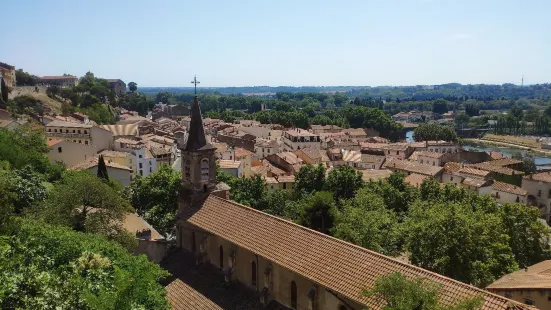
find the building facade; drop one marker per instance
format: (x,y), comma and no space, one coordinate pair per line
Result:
(7,72)
(296,139)
(79,133)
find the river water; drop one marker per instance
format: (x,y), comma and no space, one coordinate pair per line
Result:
(507,151)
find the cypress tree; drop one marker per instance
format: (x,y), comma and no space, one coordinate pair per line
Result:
(102,169)
(4,89)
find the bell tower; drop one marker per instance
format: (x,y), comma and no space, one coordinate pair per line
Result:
(198,159)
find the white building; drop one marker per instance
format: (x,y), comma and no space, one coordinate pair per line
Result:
(235,168)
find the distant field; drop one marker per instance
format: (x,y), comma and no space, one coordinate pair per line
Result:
(529,142)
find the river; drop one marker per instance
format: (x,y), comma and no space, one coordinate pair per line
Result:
(507,151)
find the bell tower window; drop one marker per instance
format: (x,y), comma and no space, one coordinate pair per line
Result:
(187,172)
(204,169)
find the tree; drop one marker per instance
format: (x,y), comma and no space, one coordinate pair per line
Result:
(320,212)
(309,179)
(344,181)
(458,240)
(365,221)
(528,162)
(3,91)
(49,267)
(397,194)
(528,237)
(400,293)
(102,169)
(25,79)
(132,86)
(248,191)
(155,198)
(27,187)
(440,106)
(434,132)
(84,202)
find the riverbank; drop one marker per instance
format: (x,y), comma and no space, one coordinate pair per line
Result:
(507,144)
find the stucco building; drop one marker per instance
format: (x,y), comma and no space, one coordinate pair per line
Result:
(296,139)
(79,133)
(7,72)
(119,173)
(62,80)
(234,257)
(117,86)
(70,153)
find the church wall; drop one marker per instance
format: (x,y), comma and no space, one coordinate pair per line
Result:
(279,280)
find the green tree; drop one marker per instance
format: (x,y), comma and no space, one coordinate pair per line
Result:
(397,194)
(400,293)
(434,132)
(320,212)
(440,106)
(528,237)
(458,241)
(365,221)
(528,162)
(27,187)
(49,267)
(82,201)
(248,191)
(132,86)
(309,179)
(155,198)
(102,169)
(25,146)
(344,181)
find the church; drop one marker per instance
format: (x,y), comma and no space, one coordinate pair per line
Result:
(231,256)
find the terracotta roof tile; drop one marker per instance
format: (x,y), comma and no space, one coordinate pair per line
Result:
(92,162)
(54,142)
(451,167)
(412,166)
(543,177)
(537,276)
(473,171)
(340,266)
(508,188)
(415,179)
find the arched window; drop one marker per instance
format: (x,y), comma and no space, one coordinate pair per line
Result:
(293,295)
(221,257)
(187,168)
(253,273)
(204,169)
(193,247)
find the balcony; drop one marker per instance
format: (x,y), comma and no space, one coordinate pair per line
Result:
(67,135)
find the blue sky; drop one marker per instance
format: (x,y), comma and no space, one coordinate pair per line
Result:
(282,42)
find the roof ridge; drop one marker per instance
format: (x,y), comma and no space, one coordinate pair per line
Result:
(357,247)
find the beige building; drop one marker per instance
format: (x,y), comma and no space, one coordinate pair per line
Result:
(296,139)
(397,150)
(235,168)
(119,173)
(313,156)
(125,159)
(538,187)
(429,158)
(530,286)
(242,155)
(264,148)
(63,80)
(117,86)
(508,193)
(286,182)
(442,147)
(286,161)
(7,72)
(70,153)
(409,167)
(79,133)
(234,257)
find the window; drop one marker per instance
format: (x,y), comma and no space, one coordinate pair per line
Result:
(140,156)
(253,273)
(86,131)
(80,141)
(150,163)
(421,161)
(221,257)
(141,172)
(74,131)
(75,141)
(66,130)
(539,193)
(518,199)
(397,152)
(55,130)
(59,149)
(293,295)
(187,172)
(204,169)
(497,194)
(388,152)
(284,185)
(231,157)
(268,151)
(150,170)
(141,166)
(193,248)
(79,131)
(86,142)
(49,129)
(433,163)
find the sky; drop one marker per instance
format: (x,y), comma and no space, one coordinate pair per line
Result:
(282,42)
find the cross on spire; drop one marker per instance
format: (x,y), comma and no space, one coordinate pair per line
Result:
(195,82)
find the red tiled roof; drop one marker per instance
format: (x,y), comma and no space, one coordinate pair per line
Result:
(62,77)
(412,166)
(54,142)
(415,179)
(473,171)
(340,266)
(535,277)
(451,167)
(543,176)
(508,188)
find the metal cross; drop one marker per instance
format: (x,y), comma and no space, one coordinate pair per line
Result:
(195,82)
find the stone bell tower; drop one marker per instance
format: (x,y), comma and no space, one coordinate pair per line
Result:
(198,160)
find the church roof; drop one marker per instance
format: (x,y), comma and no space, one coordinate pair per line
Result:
(340,266)
(196,140)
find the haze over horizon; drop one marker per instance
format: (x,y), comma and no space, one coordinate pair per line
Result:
(283,43)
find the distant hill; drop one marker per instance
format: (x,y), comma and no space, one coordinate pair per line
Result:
(50,104)
(418,92)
